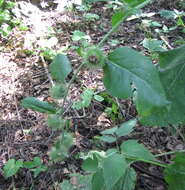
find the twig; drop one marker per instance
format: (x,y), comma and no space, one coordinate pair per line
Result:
(46,70)
(147,172)
(166,42)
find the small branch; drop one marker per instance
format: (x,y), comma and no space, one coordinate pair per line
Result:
(166,42)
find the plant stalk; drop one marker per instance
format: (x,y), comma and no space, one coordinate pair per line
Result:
(169,153)
(60,111)
(112,30)
(128,13)
(146,161)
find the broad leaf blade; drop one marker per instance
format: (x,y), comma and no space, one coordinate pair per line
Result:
(172,75)
(127,71)
(12,167)
(90,164)
(126,128)
(114,167)
(175,173)
(108,138)
(60,68)
(37,105)
(133,149)
(82,182)
(110,131)
(129,179)
(97,180)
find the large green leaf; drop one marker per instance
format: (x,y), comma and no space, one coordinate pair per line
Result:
(133,149)
(82,182)
(172,74)
(128,181)
(60,68)
(37,105)
(90,164)
(175,173)
(129,73)
(114,167)
(98,180)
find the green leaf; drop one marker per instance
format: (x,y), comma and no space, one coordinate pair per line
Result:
(78,35)
(110,131)
(60,68)
(126,128)
(133,149)
(1,3)
(180,22)
(12,167)
(58,91)
(175,173)
(171,71)
(38,170)
(98,98)
(128,181)
(90,164)
(66,185)
(114,168)
(167,14)
(135,3)
(31,164)
(86,96)
(60,150)
(117,17)
(98,180)
(153,45)
(37,105)
(81,183)
(91,16)
(55,122)
(108,139)
(129,73)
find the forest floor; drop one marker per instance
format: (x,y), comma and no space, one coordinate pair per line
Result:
(24,134)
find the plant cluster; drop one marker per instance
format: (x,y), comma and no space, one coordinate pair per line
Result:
(7,19)
(156,90)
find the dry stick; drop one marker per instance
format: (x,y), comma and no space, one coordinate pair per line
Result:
(147,172)
(166,42)
(46,70)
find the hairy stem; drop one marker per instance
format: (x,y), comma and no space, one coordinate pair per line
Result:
(60,111)
(128,13)
(112,30)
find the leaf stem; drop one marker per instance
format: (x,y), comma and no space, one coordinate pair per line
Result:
(60,111)
(128,13)
(146,161)
(112,30)
(169,153)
